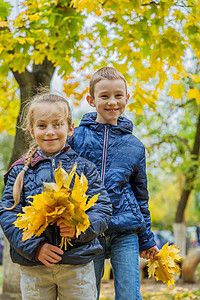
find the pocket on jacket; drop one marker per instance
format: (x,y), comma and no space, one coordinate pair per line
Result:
(133,204)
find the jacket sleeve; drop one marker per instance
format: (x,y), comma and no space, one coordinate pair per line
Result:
(100,213)
(138,181)
(28,248)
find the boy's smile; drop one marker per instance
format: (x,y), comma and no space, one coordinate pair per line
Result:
(110,99)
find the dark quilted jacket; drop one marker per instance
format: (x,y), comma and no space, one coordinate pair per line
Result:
(120,160)
(86,245)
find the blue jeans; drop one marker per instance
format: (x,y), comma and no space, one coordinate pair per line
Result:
(123,250)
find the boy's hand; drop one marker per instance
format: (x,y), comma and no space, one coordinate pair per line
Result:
(49,255)
(66,231)
(150,253)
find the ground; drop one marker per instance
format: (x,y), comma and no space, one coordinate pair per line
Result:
(150,286)
(147,286)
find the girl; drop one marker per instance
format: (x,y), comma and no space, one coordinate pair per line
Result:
(48,272)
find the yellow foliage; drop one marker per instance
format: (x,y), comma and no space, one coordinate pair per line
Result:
(70,88)
(9,105)
(91,5)
(58,201)
(147,73)
(195,78)
(163,265)
(141,97)
(194,93)
(176,76)
(164,200)
(4,24)
(153,49)
(177,91)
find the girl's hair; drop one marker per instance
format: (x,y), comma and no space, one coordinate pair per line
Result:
(105,73)
(29,125)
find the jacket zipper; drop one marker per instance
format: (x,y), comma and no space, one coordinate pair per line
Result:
(53,166)
(104,153)
(55,226)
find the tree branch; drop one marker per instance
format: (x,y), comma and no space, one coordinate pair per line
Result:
(173,137)
(186,103)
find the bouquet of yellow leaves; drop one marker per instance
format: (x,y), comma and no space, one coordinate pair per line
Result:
(163,265)
(58,201)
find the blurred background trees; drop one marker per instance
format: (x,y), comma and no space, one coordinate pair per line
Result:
(155,44)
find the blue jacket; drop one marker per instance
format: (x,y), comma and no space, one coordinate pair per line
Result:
(42,170)
(120,160)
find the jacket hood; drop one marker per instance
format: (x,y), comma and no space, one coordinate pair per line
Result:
(123,125)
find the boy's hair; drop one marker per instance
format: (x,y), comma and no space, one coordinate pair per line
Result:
(37,100)
(105,73)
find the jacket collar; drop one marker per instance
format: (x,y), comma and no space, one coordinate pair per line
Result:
(37,157)
(123,125)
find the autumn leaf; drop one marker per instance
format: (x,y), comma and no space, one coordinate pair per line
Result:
(194,93)
(177,91)
(163,265)
(56,202)
(91,5)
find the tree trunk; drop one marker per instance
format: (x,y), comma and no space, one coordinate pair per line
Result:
(180,237)
(29,82)
(26,84)
(180,234)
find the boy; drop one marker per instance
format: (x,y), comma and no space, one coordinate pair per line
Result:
(106,139)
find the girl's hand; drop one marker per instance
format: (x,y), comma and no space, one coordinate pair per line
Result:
(66,231)
(150,253)
(49,255)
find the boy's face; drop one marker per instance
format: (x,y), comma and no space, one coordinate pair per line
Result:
(110,99)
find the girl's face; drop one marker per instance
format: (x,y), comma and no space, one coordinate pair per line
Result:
(50,128)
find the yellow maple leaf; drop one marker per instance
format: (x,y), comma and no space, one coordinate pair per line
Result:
(177,91)
(195,78)
(56,202)
(163,265)
(194,93)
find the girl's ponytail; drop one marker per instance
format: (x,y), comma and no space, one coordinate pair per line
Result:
(18,185)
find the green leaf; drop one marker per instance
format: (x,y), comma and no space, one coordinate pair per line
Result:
(5,9)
